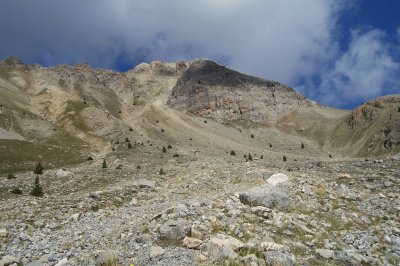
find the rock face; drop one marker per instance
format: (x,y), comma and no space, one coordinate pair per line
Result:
(373,128)
(211,90)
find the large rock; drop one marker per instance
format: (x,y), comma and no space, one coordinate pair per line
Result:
(8,260)
(325,253)
(278,178)
(223,247)
(277,258)
(267,195)
(174,229)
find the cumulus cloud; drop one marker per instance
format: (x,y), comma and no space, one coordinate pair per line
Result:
(268,38)
(288,41)
(365,70)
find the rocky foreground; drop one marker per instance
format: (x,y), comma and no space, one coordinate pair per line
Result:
(213,211)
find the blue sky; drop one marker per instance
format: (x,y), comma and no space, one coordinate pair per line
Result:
(337,52)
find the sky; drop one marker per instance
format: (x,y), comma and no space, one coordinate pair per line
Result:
(340,53)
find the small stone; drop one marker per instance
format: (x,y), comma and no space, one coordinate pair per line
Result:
(3,233)
(325,253)
(271,246)
(156,251)
(278,178)
(174,230)
(277,258)
(192,243)
(106,257)
(133,202)
(35,263)
(63,262)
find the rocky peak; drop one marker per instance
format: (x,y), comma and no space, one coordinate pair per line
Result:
(209,89)
(13,61)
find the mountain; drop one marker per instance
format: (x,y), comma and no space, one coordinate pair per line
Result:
(64,114)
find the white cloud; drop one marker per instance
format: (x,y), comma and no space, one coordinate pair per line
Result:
(281,40)
(366,70)
(288,41)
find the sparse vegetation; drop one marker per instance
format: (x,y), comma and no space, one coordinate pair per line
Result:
(104,164)
(284,158)
(129,145)
(249,157)
(11,176)
(169,146)
(16,191)
(262,157)
(164,150)
(270,145)
(37,190)
(138,167)
(90,158)
(127,139)
(162,130)
(302,145)
(161,172)
(130,129)
(233,153)
(330,156)
(252,136)
(175,155)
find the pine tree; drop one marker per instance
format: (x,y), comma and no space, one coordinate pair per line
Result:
(250,158)
(270,145)
(37,190)
(129,145)
(302,145)
(164,150)
(284,158)
(162,172)
(39,169)
(104,164)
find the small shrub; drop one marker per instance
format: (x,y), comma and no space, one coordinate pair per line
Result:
(175,155)
(270,145)
(130,129)
(284,158)
(233,153)
(162,130)
(161,172)
(302,145)
(398,110)
(11,176)
(252,136)
(104,164)
(138,167)
(129,145)
(330,156)
(37,190)
(39,169)
(90,158)
(261,157)
(16,191)
(169,146)
(205,121)
(250,158)
(127,140)
(164,150)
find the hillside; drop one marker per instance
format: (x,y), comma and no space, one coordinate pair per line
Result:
(191,163)
(64,114)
